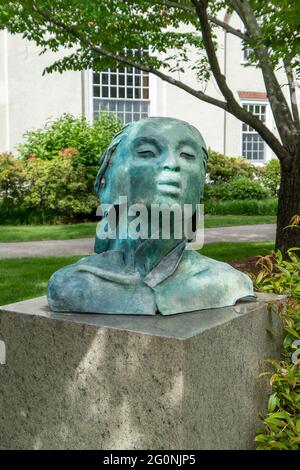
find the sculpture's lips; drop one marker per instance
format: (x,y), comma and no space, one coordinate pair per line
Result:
(169,185)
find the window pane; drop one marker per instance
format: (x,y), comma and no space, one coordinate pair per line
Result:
(104,77)
(96,78)
(105,91)
(96,91)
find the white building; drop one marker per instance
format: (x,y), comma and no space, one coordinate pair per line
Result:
(28,99)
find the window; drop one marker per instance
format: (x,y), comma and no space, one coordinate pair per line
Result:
(253,146)
(123,91)
(246,54)
(245,51)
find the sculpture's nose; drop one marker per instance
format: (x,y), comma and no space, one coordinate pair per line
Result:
(171,162)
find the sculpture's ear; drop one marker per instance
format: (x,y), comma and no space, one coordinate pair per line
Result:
(105,160)
(205,160)
(205,157)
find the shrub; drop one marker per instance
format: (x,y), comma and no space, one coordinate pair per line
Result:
(242,207)
(281,426)
(59,188)
(238,188)
(221,168)
(279,275)
(12,177)
(53,180)
(269,175)
(70,135)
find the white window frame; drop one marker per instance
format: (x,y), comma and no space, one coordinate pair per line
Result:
(268,123)
(244,60)
(152,96)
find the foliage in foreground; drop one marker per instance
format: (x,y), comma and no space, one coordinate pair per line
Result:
(281,426)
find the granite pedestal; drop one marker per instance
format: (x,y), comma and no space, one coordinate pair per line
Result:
(188,381)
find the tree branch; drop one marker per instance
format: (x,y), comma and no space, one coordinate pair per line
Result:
(230,106)
(213,19)
(124,60)
(234,107)
(281,111)
(292,90)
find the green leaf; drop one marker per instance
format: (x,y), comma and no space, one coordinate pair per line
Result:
(272,402)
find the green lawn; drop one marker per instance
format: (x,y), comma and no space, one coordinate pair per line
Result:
(227,251)
(24,233)
(212,221)
(24,278)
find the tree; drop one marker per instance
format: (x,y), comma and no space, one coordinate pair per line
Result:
(98,34)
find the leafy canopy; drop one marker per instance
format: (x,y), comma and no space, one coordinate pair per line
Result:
(95,32)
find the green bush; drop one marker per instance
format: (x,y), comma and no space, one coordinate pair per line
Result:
(221,168)
(12,177)
(242,207)
(269,175)
(59,188)
(44,191)
(280,428)
(237,188)
(53,180)
(70,135)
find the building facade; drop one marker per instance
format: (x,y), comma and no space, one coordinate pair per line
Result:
(28,98)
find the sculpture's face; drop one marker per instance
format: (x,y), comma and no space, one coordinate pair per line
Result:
(162,160)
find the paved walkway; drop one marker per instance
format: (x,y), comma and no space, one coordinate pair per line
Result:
(84,246)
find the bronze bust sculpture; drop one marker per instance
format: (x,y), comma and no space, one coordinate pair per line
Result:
(152,162)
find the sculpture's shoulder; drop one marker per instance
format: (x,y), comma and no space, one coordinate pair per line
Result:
(199,283)
(99,284)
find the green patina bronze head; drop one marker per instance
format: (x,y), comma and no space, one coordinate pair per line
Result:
(154,161)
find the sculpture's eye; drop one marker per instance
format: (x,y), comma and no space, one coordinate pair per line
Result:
(146,153)
(187,156)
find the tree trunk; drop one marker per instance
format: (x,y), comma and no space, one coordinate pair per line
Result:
(288,206)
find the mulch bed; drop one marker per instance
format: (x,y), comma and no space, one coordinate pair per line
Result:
(247,265)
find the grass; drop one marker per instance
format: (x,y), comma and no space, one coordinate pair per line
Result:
(212,221)
(227,251)
(25,233)
(25,278)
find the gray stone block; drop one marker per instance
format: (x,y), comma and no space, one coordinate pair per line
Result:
(188,381)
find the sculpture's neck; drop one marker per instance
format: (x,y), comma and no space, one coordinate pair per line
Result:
(143,255)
